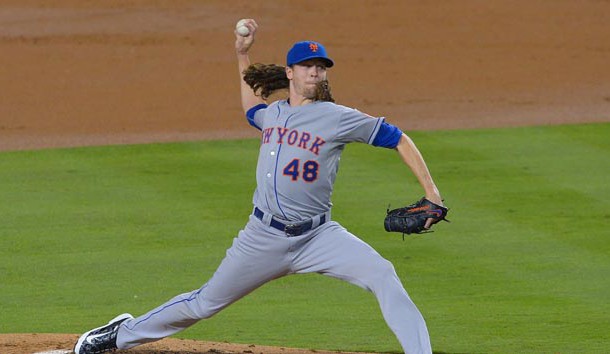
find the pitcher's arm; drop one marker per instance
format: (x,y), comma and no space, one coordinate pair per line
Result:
(242,46)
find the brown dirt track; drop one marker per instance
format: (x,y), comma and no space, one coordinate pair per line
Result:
(41,343)
(95,72)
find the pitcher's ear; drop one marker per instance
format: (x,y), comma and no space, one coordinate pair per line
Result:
(289,72)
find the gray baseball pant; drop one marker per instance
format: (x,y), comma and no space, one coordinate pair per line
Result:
(261,253)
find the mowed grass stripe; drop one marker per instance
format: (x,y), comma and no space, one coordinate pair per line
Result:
(533,247)
(521,268)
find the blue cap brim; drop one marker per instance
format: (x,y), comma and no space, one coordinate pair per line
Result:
(328,61)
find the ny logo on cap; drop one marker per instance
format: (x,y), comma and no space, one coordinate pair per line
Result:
(313,47)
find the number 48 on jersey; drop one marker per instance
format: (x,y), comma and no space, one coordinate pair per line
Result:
(309,171)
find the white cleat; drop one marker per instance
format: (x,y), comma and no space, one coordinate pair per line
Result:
(101,339)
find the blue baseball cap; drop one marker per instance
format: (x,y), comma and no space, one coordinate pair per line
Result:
(306,50)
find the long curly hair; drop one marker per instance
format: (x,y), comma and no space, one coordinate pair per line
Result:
(265,79)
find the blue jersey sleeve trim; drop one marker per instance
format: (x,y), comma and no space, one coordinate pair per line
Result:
(388,136)
(251,112)
(375,130)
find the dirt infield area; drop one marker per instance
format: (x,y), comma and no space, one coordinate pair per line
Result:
(62,344)
(97,72)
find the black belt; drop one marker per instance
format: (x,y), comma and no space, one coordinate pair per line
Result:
(292,229)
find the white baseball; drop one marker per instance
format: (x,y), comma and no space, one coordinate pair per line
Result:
(242,30)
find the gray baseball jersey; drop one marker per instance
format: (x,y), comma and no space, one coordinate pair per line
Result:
(299,154)
(290,231)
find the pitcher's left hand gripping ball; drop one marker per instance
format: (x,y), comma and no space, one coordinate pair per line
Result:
(412,218)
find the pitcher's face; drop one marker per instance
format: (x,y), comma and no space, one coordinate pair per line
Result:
(304,77)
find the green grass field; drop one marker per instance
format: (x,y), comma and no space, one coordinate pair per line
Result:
(522,268)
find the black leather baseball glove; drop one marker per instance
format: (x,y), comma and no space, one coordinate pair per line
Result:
(412,218)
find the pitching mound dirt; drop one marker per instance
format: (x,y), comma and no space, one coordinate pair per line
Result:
(63,343)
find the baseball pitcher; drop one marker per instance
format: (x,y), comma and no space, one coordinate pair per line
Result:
(290,230)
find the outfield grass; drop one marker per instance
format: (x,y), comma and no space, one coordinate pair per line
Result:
(523,267)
